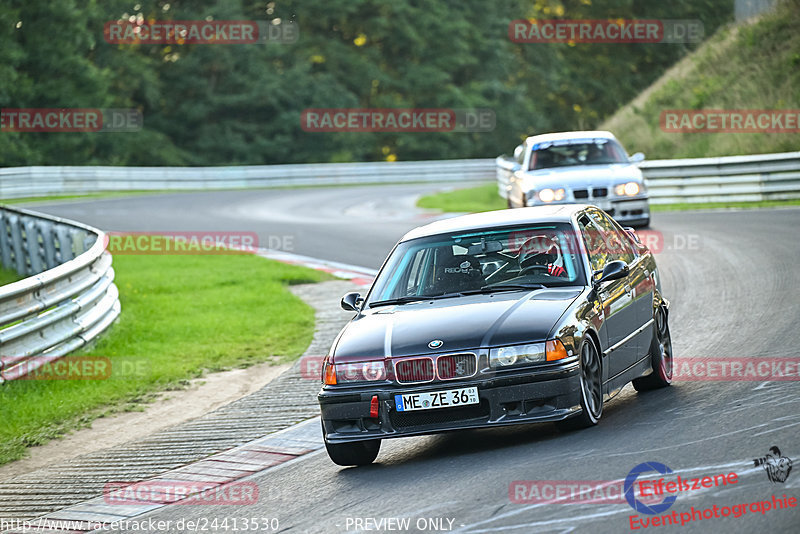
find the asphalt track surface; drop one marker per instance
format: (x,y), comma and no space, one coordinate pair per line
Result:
(733,280)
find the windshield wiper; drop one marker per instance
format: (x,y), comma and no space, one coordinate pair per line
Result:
(502,287)
(412,298)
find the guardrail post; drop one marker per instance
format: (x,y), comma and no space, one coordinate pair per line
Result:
(64,237)
(70,300)
(5,242)
(17,245)
(47,230)
(32,238)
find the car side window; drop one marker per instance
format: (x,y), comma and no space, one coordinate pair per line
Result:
(595,243)
(416,272)
(619,245)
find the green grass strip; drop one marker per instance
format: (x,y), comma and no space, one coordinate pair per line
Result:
(181,316)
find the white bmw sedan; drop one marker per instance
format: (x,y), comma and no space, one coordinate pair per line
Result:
(588,167)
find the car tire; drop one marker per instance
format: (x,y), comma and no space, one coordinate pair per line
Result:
(591,381)
(660,355)
(353,453)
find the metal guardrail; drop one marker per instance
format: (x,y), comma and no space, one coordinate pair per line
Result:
(734,178)
(18,182)
(723,179)
(69,297)
(505,167)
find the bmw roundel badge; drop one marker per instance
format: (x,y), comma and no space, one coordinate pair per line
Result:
(435,344)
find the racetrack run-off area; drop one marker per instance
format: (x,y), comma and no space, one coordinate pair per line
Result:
(731,280)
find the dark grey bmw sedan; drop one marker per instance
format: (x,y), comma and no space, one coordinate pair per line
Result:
(498,318)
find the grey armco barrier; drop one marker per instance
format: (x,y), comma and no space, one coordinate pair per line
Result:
(18,182)
(723,179)
(733,178)
(68,297)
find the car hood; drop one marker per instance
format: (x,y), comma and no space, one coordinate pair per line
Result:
(584,176)
(463,323)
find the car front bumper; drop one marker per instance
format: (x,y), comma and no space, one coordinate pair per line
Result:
(511,397)
(626,211)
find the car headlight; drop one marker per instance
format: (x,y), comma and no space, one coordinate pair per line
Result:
(517,354)
(349,373)
(549,195)
(629,189)
(525,354)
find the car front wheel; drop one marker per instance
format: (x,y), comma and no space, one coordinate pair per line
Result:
(591,389)
(660,356)
(353,453)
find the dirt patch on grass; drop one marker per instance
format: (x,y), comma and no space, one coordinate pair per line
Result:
(201,396)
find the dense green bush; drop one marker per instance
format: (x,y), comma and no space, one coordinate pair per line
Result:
(241,104)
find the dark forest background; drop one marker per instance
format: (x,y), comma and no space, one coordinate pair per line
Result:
(241,104)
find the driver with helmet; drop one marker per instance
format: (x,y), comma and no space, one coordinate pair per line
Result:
(539,254)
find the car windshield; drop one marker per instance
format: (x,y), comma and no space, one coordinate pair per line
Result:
(489,260)
(571,152)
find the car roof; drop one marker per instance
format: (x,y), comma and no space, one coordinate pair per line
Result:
(559,136)
(559,213)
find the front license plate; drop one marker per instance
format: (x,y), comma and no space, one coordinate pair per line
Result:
(436,399)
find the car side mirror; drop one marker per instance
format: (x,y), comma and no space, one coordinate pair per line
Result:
(637,158)
(614,270)
(352,302)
